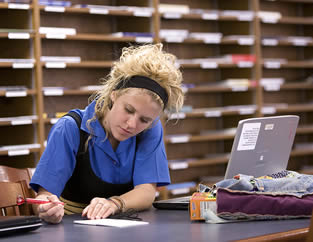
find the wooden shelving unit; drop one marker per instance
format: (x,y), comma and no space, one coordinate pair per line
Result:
(274,76)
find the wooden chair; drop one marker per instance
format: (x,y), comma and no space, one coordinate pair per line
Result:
(10,174)
(10,191)
(14,174)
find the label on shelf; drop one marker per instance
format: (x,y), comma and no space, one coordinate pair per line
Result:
(172,15)
(53,92)
(178,191)
(239,88)
(177,116)
(272,87)
(268,110)
(270,42)
(18,152)
(178,165)
(245,17)
(270,20)
(15,93)
(58,9)
(208,65)
(53,120)
(180,139)
(21,122)
(144,39)
(269,16)
(272,64)
(246,111)
(55,36)
(215,113)
(212,40)
(98,11)
(174,39)
(142,13)
(245,64)
(55,65)
(209,16)
(22,65)
(18,6)
(18,35)
(246,41)
(300,42)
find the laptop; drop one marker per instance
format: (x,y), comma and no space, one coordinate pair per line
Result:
(10,225)
(261,147)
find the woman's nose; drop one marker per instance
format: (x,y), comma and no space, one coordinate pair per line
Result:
(131,122)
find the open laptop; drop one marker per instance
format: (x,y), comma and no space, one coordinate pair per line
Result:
(261,147)
(10,225)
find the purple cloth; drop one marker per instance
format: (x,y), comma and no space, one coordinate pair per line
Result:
(250,203)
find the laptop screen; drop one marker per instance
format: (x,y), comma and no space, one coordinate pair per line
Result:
(262,146)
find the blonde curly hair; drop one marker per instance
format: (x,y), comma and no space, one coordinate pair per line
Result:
(145,60)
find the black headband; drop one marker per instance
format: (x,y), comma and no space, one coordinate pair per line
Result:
(146,83)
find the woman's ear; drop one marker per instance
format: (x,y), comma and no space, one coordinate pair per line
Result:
(113,96)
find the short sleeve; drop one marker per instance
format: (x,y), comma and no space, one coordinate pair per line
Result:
(151,164)
(58,161)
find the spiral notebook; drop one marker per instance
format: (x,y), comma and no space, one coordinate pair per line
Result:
(261,147)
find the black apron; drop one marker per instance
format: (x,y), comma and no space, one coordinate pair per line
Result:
(84,185)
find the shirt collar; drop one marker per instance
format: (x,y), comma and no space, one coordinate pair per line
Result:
(94,126)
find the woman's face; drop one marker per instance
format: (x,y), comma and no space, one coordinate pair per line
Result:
(131,113)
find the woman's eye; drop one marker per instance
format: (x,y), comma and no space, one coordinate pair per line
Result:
(128,110)
(144,121)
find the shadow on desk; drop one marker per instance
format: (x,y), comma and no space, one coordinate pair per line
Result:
(296,235)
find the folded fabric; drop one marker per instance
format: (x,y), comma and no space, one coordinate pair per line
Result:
(234,204)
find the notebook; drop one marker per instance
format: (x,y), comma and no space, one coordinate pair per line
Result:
(261,146)
(10,225)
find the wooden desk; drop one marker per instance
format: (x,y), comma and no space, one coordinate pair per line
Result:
(164,226)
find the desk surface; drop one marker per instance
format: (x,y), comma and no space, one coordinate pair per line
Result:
(165,225)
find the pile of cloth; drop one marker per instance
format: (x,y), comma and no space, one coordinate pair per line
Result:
(283,195)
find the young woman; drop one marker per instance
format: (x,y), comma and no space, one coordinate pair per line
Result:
(116,158)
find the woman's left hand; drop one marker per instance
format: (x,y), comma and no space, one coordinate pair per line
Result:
(99,208)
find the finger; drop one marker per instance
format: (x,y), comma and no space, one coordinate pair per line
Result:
(96,210)
(54,214)
(45,207)
(108,212)
(91,207)
(55,210)
(53,198)
(84,213)
(103,211)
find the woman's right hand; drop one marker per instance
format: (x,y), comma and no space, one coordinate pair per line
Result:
(51,212)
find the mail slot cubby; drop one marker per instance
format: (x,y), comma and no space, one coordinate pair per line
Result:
(239,59)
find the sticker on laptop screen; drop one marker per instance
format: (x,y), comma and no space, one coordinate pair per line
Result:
(269,127)
(249,136)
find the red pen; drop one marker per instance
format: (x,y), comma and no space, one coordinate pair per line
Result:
(39,201)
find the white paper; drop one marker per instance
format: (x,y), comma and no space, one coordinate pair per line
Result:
(249,136)
(119,223)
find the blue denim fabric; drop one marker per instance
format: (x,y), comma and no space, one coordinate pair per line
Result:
(294,184)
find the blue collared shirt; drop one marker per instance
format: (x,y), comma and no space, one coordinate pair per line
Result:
(142,159)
